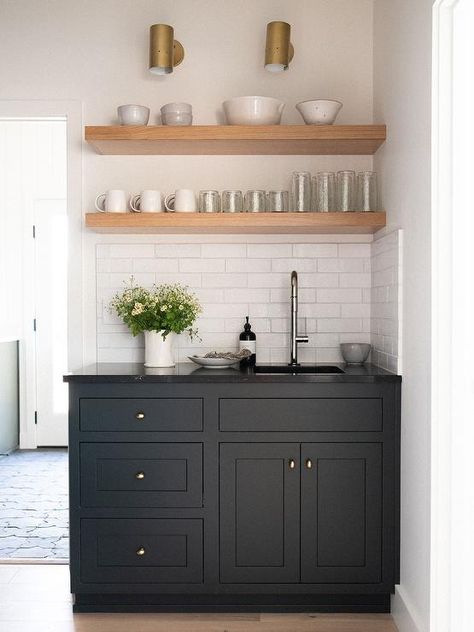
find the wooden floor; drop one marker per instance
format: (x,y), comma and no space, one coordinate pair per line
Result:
(35,598)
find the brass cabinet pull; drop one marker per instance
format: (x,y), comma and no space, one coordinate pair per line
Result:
(309,463)
(140,475)
(291,464)
(140,551)
(140,416)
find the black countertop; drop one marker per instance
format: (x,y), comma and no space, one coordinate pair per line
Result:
(125,373)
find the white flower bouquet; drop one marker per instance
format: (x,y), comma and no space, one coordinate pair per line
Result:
(166,308)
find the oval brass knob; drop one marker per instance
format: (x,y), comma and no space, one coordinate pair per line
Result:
(291,464)
(140,475)
(309,463)
(140,551)
(140,416)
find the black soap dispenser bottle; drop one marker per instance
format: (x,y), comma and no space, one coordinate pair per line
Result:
(248,340)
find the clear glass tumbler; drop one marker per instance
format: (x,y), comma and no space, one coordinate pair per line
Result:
(345,191)
(367,191)
(323,192)
(254,201)
(301,191)
(232,201)
(277,201)
(209,202)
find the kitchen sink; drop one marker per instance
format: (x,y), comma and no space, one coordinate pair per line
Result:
(302,368)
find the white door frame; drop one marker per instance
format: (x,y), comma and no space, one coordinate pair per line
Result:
(452,501)
(72,110)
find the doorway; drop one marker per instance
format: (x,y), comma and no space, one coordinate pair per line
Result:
(33,167)
(34,264)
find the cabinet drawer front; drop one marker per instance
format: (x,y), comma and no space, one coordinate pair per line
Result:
(141,475)
(300,415)
(148,551)
(141,415)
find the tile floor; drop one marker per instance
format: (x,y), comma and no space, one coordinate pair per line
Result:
(34,505)
(36,599)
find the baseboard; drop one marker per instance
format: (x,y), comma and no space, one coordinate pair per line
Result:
(403,612)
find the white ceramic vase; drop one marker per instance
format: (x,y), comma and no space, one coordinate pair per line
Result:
(159,352)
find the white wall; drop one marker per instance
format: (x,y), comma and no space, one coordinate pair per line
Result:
(96,52)
(402,100)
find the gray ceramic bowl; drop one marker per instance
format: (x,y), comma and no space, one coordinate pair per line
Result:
(355,352)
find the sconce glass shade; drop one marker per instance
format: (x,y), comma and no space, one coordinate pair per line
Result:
(165,51)
(278,48)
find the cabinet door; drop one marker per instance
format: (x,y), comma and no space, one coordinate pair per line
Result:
(341,513)
(259,512)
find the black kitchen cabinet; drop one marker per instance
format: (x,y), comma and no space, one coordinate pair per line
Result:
(341,512)
(216,494)
(259,512)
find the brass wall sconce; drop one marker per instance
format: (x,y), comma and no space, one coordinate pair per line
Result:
(279,50)
(165,51)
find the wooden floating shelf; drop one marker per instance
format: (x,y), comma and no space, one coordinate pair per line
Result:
(237,139)
(212,223)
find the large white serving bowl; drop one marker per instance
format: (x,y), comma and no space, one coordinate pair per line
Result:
(319,111)
(253,111)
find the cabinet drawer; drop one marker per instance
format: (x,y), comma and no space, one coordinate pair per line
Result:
(141,415)
(142,551)
(141,474)
(300,415)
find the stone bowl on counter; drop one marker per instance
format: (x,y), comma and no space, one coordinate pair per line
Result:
(355,352)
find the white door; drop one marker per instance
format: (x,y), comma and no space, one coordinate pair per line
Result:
(50,219)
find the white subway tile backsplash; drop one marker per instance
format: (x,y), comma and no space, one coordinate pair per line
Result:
(247,295)
(269,251)
(339,296)
(318,279)
(202,265)
(315,250)
(177,251)
(135,251)
(248,265)
(339,325)
(354,250)
(348,292)
(155,265)
(225,280)
(288,265)
(226,251)
(355,280)
(342,265)
(273,280)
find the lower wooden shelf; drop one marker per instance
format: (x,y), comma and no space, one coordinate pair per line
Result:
(356,223)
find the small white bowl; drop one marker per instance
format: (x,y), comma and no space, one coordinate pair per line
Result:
(253,111)
(355,352)
(133,114)
(319,111)
(176,118)
(177,107)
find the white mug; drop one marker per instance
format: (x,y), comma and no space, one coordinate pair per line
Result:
(148,201)
(113,201)
(181,201)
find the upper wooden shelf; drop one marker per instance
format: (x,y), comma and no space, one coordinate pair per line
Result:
(237,139)
(256,223)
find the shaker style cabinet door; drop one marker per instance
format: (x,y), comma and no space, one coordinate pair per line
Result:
(259,512)
(341,513)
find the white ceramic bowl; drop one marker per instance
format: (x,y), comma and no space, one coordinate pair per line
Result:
(355,352)
(319,111)
(253,111)
(177,107)
(133,114)
(213,363)
(176,118)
